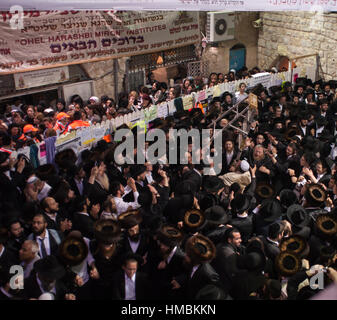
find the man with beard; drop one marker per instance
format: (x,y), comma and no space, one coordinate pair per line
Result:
(225,262)
(134,239)
(29,253)
(54,221)
(16,236)
(199,253)
(257,157)
(45,278)
(118,193)
(47,239)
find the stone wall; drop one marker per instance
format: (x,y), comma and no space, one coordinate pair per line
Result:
(295,34)
(245,33)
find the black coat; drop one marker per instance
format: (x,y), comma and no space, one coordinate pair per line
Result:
(193,176)
(143,291)
(270,248)
(52,242)
(142,248)
(85,224)
(32,288)
(10,196)
(225,264)
(203,276)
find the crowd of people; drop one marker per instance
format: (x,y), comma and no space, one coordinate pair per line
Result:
(84,227)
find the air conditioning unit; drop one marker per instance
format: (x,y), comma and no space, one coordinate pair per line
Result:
(220,26)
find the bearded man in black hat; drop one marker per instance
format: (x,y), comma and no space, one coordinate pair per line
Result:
(134,239)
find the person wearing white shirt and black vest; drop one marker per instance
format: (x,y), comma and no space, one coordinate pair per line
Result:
(129,283)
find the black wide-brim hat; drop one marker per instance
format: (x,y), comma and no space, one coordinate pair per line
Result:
(298,216)
(170,236)
(287,264)
(240,203)
(194,220)
(270,210)
(315,194)
(3,156)
(213,184)
(200,248)
(186,187)
(327,225)
(73,250)
(129,219)
(296,245)
(216,215)
(287,198)
(107,231)
(49,268)
(264,190)
(45,171)
(254,260)
(136,170)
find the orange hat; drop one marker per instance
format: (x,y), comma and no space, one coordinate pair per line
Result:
(62,115)
(29,128)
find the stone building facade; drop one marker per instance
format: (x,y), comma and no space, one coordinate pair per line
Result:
(293,34)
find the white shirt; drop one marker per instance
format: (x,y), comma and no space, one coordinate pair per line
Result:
(122,206)
(130,287)
(304,129)
(169,258)
(44,192)
(82,268)
(195,268)
(46,243)
(149,177)
(79,185)
(2,251)
(40,285)
(28,267)
(273,241)
(51,216)
(229,157)
(134,245)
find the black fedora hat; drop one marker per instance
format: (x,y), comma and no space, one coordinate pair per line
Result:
(129,219)
(200,248)
(327,225)
(73,250)
(254,260)
(264,190)
(287,264)
(194,220)
(216,215)
(45,171)
(270,210)
(296,245)
(136,170)
(50,268)
(240,203)
(213,184)
(287,198)
(186,187)
(298,216)
(107,231)
(315,194)
(170,236)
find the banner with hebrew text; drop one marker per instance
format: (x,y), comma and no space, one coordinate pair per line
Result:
(57,38)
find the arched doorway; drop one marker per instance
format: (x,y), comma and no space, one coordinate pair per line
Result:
(237,57)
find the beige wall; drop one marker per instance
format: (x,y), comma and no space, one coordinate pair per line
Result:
(246,34)
(294,34)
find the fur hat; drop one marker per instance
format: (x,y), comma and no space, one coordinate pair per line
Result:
(73,250)
(200,249)
(129,219)
(107,231)
(287,264)
(194,220)
(296,245)
(169,236)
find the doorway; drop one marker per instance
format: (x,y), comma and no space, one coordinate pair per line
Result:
(237,57)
